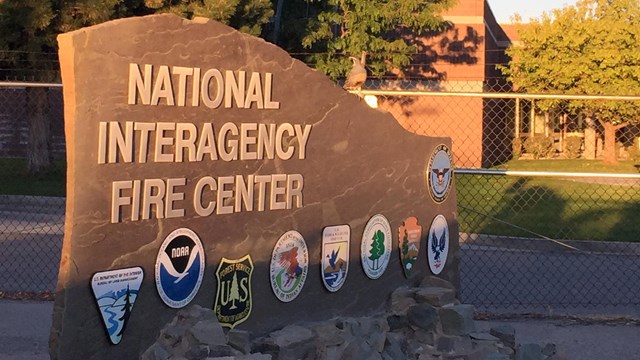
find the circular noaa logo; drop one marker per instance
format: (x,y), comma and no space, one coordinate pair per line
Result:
(375,249)
(439,173)
(179,268)
(438,244)
(289,266)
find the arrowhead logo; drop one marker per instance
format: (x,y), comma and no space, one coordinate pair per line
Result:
(409,237)
(115,292)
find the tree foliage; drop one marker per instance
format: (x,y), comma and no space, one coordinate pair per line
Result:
(377,248)
(383,28)
(28,31)
(245,15)
(592,48)
(28,28)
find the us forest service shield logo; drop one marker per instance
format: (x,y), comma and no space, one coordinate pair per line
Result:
(289,266)
(438,244)
(335,256)
(440,173)
(179,268)
(409,235)
(375,249)
(115,292)
(233,299)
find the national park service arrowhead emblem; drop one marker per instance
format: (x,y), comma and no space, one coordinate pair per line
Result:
(115,292)
(409,235)
(233,298)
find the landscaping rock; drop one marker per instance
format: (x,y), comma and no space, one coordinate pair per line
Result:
(433,281)
(506,334)
(483,336)
(549,349)
(496,356)
(239,340)
(420,331)
(457,319)
(529,352)
(397,322)
(394,347)
(401,300)
(423,316)
(435,296)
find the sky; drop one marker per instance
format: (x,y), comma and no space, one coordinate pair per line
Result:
(503,9)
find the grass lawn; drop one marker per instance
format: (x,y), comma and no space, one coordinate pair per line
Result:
(14,179)
(553,207)
(564,165)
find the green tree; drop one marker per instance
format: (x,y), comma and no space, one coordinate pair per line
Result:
(592,48)
(377,248)
(347,27)
(245,15)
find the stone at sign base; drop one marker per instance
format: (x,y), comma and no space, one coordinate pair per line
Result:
(370,337)
(209,168)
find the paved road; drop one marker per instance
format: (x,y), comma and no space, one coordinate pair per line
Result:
(520,280)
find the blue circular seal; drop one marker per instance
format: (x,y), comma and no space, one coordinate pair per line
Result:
(179,268)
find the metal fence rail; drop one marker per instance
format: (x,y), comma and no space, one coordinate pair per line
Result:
(535,238)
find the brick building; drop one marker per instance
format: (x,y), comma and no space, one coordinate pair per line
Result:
(461,59)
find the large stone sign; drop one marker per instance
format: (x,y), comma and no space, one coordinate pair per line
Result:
(208,167)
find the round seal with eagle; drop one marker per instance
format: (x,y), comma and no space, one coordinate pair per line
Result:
(440,173)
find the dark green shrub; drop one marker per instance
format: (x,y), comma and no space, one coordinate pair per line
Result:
(573,147)
(539,146)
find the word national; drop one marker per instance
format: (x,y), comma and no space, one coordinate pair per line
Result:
(213,87)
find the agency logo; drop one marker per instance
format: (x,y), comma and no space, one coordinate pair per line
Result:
(335,256)
(438,244)
(375,249)
(233,299)
(179,268)
(289,266)
(115,292)
(440,173)
(409,235)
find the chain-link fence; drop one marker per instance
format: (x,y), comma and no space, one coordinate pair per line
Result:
(32,186)
(544,224)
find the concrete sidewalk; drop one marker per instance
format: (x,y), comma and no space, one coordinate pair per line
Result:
(24,329)
(24,334)
(577,341)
